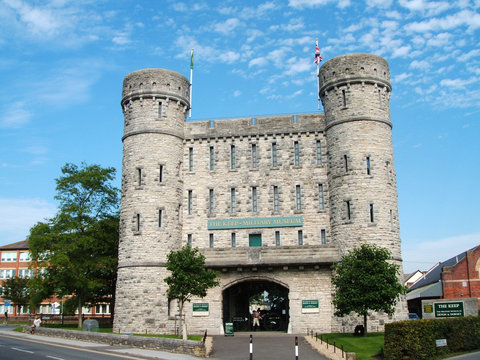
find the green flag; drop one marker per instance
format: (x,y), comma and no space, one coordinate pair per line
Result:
(191,61)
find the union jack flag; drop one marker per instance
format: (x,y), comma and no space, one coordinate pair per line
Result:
(318,57)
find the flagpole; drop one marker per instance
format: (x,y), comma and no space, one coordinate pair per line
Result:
(191,83)
(318,75)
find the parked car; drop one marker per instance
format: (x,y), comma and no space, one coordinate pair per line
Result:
(413,316)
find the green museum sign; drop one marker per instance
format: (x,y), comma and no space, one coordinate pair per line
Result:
(248,223)
(200,307)
(449,309)
(310,306)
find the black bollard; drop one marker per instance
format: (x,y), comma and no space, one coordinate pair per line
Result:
(296,347)
(251,347)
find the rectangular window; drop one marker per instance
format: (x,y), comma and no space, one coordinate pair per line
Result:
(232,157)
(190,240)
(319,152)
(344,98)
(275,199)
(7,273)
(212,158)
(277,238)
(9,256)
(321,197)
(212,240)
(349,214)
(25,273)
(274,155)
(372,219)
(139,176)
(190,159)
(160,213)
(233,201)
(345,160)
(138,222)
(160,174)
(254,156)
(297,153)
(25,256)
(298,196)
(254,199)
(190,202)
(300,237)
(159,110)
(211,202)
(368,164)
(323,236)
(234,240)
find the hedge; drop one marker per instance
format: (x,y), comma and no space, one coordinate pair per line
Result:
(415,339)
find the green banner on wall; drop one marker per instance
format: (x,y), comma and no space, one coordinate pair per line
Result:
(248,223)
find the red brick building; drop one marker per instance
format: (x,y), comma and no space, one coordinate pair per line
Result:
(462,279)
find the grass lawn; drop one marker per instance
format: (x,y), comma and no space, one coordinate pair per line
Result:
(364,346)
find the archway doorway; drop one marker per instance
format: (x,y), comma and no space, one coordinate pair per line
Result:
(241,299)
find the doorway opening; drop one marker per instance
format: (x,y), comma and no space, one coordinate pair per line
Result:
(268,298)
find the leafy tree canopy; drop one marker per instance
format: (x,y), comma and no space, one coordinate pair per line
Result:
(16,290)
(364,280)
(78,247)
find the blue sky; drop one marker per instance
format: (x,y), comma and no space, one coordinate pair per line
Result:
(62,65)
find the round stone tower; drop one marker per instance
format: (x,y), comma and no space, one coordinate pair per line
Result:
(355,91)
(155,104)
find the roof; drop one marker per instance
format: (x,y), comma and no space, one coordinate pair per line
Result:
(435,273)
(19,245)
(428,291)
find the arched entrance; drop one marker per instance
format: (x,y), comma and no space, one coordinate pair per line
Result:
(242,298)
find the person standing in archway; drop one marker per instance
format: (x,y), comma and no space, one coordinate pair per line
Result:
(256,319)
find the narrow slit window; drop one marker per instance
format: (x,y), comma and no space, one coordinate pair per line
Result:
(372,219)
(159,110)
(139,176)
(277,238)
(254,199)
(138,222)
(160,174)
(254,156)
(212,241)
(190,202)
(275,199)
(160,214)
(232,157)
(190,159)
(274,155)
(298,196)
(190,240)
(319,152)
(367,160)
(349,213)
(344,98)
(212,158)
(300,237)
(297,153)
(345,160)
(321,197)
(211,201)
(234,240)
(233,201)
(323,236)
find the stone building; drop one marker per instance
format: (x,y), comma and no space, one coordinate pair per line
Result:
(270,201)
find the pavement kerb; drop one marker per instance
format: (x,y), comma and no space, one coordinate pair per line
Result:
(329,352)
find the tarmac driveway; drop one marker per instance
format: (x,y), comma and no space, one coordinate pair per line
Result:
(266,346)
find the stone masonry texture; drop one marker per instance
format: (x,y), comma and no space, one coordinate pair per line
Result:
(334,170)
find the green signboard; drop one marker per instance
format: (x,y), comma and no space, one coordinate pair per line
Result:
(310,306)
(255,240)
(449,309)
(248,223)
(228,329)
(200,307)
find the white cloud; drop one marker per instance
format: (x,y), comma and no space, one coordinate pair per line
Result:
(422,255)
(401,51)
(229,57)
(300,4)
(466,18)
(469,55)
(19,215)
(227,26)
(420,65)
(259,61)
(15,116)
(400,77)
(430,8)
(237,93)
(384,4)
(458,83)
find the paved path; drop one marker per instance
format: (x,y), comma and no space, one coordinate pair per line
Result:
(266,346)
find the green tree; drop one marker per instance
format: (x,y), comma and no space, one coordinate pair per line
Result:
(77,249)
(364,280)
(188,277)
(16,290)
